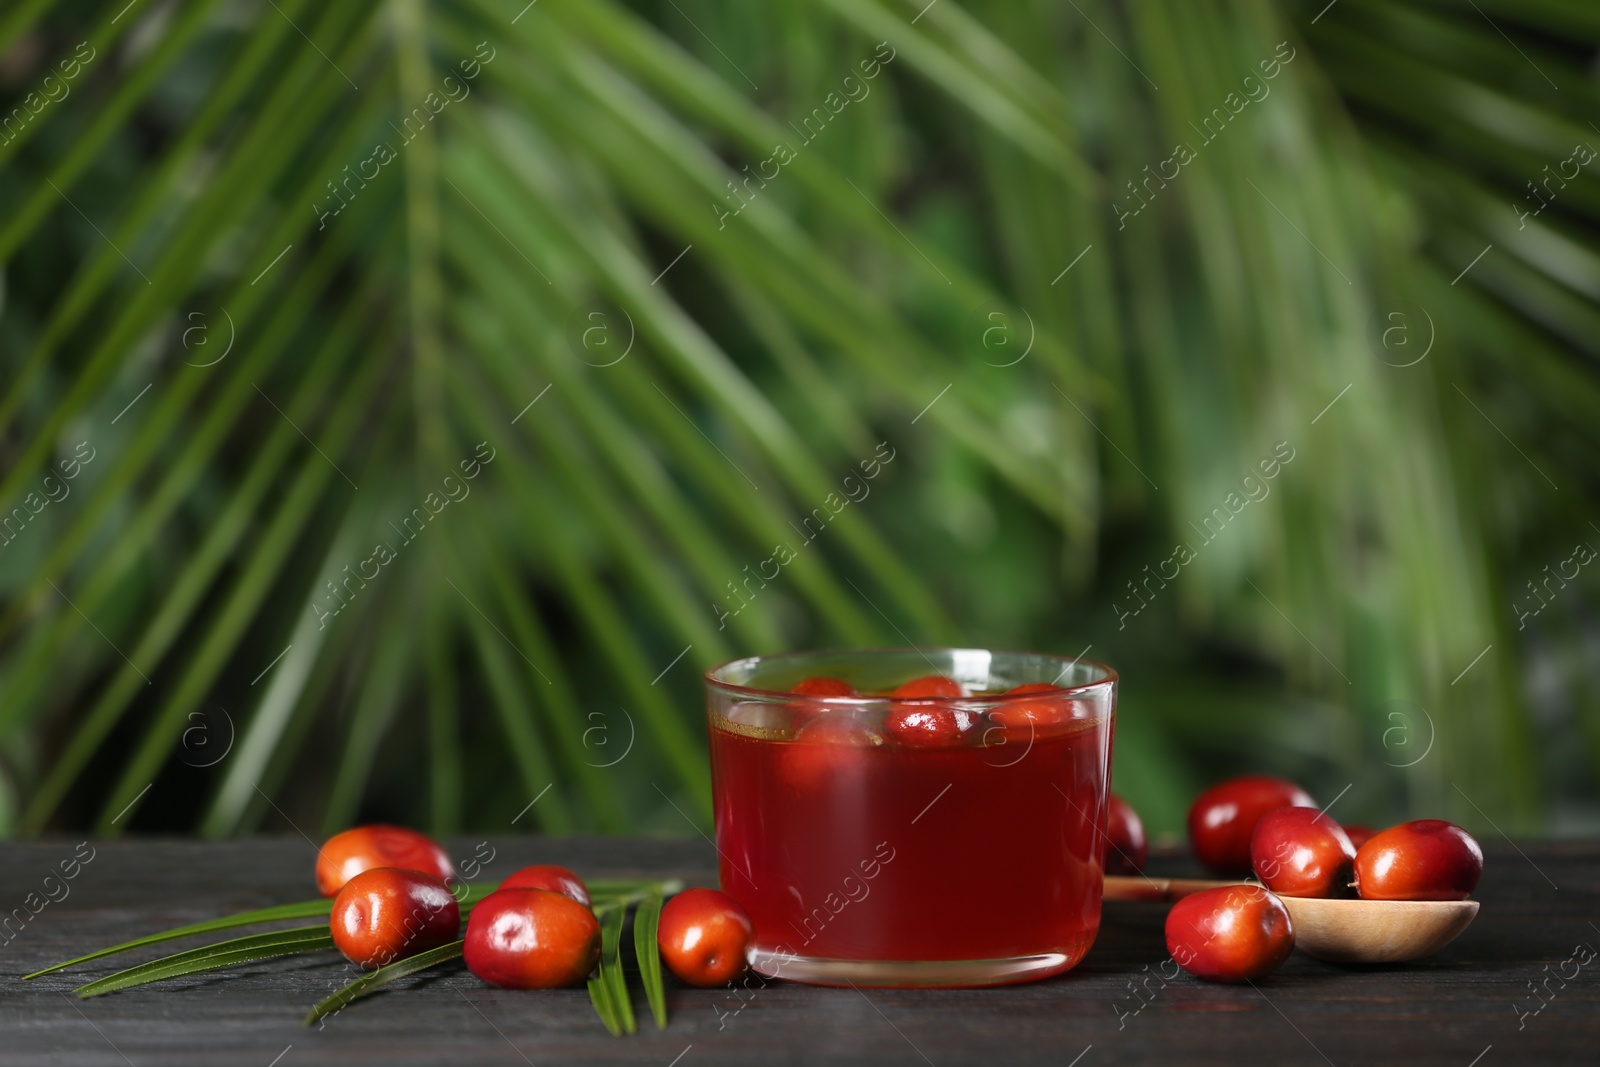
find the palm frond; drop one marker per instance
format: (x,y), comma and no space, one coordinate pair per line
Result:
(990,191)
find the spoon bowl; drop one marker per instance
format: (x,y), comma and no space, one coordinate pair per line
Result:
(1376,931)
(1338,930)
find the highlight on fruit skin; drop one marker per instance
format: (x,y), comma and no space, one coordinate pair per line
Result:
(531,939)
(1232,934)
(386,914)
(349,852)
(1223,817)
(927,725)
(1300,852)
(549,876)
(704,937)
(1426,859)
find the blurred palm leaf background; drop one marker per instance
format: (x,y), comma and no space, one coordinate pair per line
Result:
(274,271)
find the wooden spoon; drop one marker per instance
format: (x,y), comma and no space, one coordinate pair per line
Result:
(1344,931)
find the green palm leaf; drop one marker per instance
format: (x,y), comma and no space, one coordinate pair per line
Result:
(384,323)
(646,922)
(210,957)
(303,910)
(608,989)
(371,983)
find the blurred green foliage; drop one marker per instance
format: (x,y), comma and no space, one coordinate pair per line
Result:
(647,281)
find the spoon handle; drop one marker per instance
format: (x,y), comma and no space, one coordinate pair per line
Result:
(1120,887)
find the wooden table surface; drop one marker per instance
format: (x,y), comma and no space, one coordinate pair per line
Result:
(1471,1005)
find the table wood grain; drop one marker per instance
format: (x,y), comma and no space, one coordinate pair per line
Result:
(1471,1006)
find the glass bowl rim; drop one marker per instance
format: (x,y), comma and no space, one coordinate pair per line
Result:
(745,692)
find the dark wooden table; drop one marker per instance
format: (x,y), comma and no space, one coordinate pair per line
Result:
(1471,1005)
